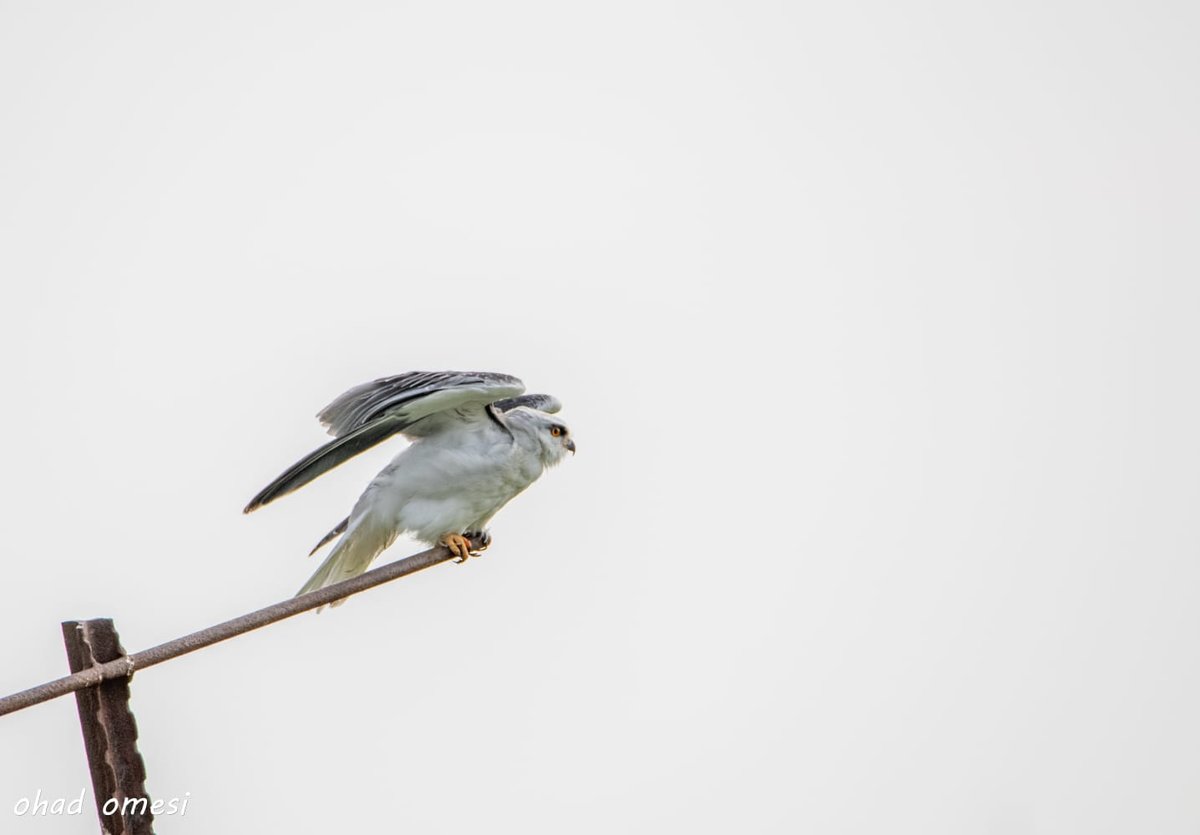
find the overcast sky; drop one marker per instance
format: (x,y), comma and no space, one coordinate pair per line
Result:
(876,325)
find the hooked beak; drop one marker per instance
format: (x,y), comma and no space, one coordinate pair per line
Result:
(570,444)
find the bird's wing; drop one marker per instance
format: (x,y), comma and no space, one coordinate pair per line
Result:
(338,530)
(416,395)
(541,402)
(416,404)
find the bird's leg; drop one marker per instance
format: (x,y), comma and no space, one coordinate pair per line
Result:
(458,544)
(480,540)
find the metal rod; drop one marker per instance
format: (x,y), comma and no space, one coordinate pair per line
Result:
(126,666)
(109,732)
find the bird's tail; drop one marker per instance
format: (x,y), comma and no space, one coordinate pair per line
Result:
(359,546)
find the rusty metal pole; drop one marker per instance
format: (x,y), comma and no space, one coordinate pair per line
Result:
(124,666)
(109,731)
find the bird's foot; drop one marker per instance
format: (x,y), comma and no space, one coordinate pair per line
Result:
(480,540)
(459,546)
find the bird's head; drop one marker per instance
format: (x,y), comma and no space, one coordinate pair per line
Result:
(555,439)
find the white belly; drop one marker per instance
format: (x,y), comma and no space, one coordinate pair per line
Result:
(449,484)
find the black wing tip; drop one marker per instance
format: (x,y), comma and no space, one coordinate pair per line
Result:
(319,461)
(338,530)
(265,497)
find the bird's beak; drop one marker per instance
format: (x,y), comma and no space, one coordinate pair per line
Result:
(570,444)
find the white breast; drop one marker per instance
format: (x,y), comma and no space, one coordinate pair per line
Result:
(450,483)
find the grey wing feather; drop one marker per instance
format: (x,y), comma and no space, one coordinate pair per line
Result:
(324,459)
(541,402)
(418,403)
(404,393)
(338,530)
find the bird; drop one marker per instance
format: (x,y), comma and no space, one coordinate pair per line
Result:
(477,441)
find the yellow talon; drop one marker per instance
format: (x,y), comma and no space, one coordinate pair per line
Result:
(459,546)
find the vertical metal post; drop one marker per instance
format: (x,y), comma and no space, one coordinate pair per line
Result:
(109,731)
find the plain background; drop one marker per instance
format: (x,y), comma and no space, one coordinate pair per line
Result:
(876,324)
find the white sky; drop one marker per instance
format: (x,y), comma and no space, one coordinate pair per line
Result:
(875,323)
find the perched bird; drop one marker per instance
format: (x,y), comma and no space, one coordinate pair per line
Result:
(476,443)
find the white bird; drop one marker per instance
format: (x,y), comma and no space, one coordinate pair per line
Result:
(476,444)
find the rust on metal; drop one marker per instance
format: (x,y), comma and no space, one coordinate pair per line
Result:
(109,730)
(122,667)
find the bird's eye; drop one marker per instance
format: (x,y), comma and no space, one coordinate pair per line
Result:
(556,431)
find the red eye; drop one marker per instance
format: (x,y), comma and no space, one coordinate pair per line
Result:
(555,431)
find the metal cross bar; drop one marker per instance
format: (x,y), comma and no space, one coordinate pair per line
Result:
(109,731)
(126,666)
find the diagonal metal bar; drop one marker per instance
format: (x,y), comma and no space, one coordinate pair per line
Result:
(109,731)
(126,666)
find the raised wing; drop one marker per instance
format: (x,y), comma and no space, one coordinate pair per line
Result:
(416,395)
(541,402)
(417,404)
